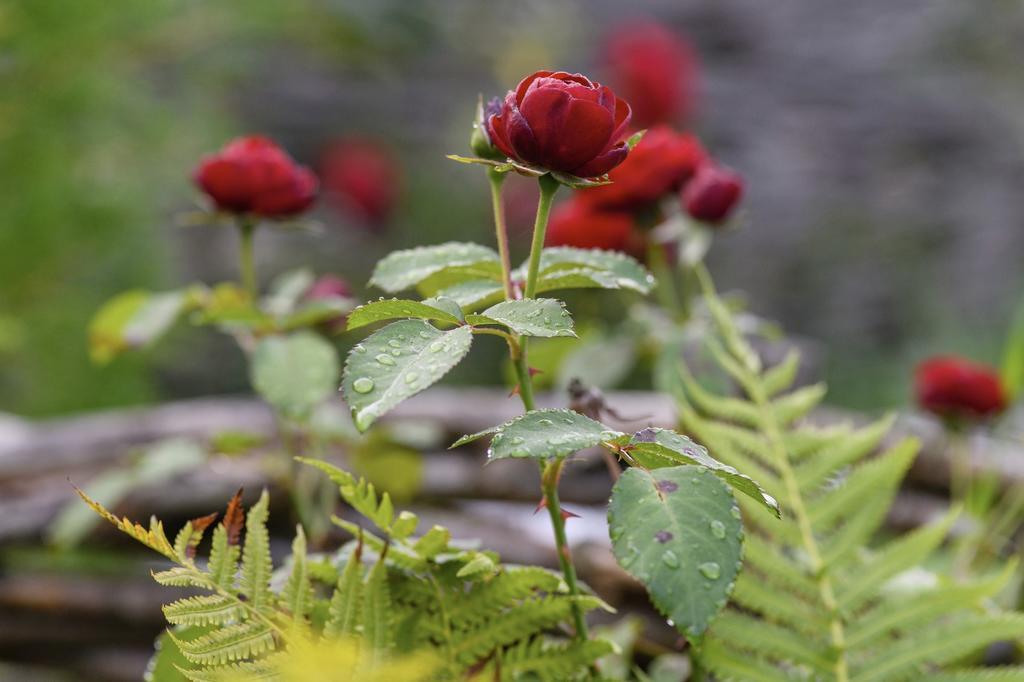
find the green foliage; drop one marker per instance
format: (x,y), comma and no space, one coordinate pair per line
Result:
(397,362)
(394,308)
(815,598)
(294,373)
(403,269)
(544,434)
(678,531)
(381,597)
(544,317)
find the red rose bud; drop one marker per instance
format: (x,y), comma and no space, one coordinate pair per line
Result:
(654,69)
(361,179)
(660,164)
(712,194)
(955,388)
(562,122)
(254,175)
(328,288)
(480,140)
(577,223)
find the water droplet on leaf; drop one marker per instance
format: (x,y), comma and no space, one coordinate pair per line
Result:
(385,359)
(718,529)
(670,559)
(710,570)
(362,385)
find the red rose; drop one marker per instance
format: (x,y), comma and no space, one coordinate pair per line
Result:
(712,193)
(654,69)
(562,122)
(361,178)
(578,223)
(254,175)
(660,164)
(953,387)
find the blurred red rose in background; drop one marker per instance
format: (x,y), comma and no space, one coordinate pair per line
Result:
(254,175)
(562,122)
(578,223)
(660,164)
(654,69)
(361,179)
(712,193)
(954,387)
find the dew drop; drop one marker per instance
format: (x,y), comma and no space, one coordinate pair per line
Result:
(396,352)
(436,347)
(360,349)
(385,359)
(411,377)
(710,570)
(395,343)
(735,511)
(545,422)
(617,532)
(425,335)
(533,313)
(670,559)
(518,440)
(718,529)
(362,385)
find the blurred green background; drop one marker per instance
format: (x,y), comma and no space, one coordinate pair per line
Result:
(881,147)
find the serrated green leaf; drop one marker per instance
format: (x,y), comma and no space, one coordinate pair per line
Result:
(544,317)
(473,293)
(294,373)
(678,531)
(625,272)
(403,269)
(660,447)
(447,305)
(544,434)
(397,362)
(481,564)
(395,308)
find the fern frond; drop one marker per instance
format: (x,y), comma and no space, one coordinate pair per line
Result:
(152,537)
(213,609)
(298,591)
(183,576)
(532,615)
(899,555)
(816,600)
(186,542)
(899,615)
(232,643)
(473,607)
(223,564)
(999,674)
(256,562)
(234,672)
(778,378)
(774,642)
(735,665)
(551,662)
(937,645)
(360,494)
(376,611)
(347,598)
(849,449)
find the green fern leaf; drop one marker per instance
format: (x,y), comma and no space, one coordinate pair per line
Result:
(376,613)
(551,662)
(347,599)
(256,562)
(223,564)
(211,609)
(780,377)
(298,591)
(938,645)
(735,665)
(232,643)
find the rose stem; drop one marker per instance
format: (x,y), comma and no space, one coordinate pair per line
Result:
(551,471)
(247,228)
